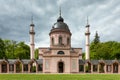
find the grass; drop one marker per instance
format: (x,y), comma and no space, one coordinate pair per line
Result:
(59,76)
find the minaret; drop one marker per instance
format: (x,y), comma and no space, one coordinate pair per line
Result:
(32,33)
(87,46)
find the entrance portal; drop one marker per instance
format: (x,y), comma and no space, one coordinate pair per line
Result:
(60,67)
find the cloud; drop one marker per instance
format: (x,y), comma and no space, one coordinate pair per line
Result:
(60,2)
(15,18)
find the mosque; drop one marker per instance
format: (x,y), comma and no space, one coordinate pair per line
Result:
(60,57)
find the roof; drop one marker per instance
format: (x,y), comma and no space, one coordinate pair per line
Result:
(108,62)
(95,62)
(60,26)
(81,62)
(1,60)
(40,61)
(26,61)
(12,61)
(60,19)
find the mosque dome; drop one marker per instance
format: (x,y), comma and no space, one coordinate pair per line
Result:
(60,26)
(60,19)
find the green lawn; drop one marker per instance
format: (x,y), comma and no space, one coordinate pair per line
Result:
(59,76)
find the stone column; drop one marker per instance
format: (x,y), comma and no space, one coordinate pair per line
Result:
(28,68)
(98,69)
(22,68)
(105,68)
(36,68)
(112,68)
(14,68)
(84,68)
(7,67)
(118,68)
(91,68)
(0,68)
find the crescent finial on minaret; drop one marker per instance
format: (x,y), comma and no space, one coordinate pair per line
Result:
(87,21)
(32,19)
(60,10)
(32,24)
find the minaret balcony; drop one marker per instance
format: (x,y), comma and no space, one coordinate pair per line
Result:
(88,33)
(32,32)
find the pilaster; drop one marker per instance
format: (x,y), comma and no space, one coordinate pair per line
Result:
(7,67)
(14,68)
(84,68)
(112,68)
(36,68)
(105,68)
(28,68)
(91,68)
(22,68)
(119,68)
(98,69)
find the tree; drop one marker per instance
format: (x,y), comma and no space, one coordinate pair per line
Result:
(36,53)
(12,49)
(2,49)
(94,47)
(114,49)
(105,50)
(10,46)
(22,51)
(96,40)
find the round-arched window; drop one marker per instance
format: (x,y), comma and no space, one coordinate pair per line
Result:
(60,52)
(52,41)
(60,40)
(68,41)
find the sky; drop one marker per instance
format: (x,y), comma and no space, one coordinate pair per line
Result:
(103,15)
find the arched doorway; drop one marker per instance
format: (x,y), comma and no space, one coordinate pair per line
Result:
(88,67)
(101,67)
(18,67)
(33,67)
(60,67)
(4,67)
(115,67)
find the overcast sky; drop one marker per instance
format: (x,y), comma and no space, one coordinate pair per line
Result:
(15,18)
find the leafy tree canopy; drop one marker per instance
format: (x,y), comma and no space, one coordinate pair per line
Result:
(104,50)
(12,49)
